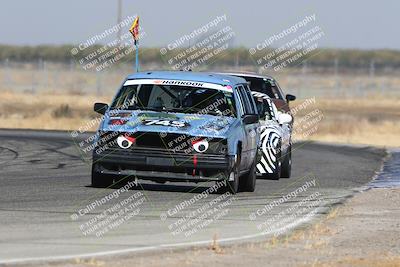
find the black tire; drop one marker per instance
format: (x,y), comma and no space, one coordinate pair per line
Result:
(100,180)
(278,166)
(233,186)
(287,164)
(248,181)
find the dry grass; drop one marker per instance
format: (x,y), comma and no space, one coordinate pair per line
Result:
(58,78)
(89,262)
(361,121)
(369,120)
(378,260)
(215,245)
(46,111)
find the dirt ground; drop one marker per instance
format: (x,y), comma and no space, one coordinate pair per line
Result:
(363,232)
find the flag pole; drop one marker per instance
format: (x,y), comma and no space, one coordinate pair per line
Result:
(137,56)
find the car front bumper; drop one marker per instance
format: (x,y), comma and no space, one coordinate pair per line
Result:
(162,165)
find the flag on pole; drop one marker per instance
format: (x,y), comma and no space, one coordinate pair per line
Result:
(134,30)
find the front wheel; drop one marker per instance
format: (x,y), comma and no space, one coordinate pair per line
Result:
(100,180)
(287,164)
(232,183)
(248,181)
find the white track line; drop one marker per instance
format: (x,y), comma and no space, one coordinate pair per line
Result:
(300,221)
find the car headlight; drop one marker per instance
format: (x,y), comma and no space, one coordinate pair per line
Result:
(125,141)
(218,146)
(200,145)
(210,146)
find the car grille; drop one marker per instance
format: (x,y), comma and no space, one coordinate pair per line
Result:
(169,142)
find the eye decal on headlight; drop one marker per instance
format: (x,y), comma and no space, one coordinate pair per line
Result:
(125,141)
(200,145)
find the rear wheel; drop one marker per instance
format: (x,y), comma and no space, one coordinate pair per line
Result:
(232,184)
(278,165)
(287,164)
(100,180)
(248,181)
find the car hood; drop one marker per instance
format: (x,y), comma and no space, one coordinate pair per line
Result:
(162,122)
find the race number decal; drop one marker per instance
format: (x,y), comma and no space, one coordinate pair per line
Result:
(168,123)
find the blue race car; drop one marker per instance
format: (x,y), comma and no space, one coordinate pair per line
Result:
(179,126)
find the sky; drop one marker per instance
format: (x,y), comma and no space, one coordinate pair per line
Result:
(346,24)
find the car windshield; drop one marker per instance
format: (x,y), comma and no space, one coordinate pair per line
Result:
(264,85)
(175,98)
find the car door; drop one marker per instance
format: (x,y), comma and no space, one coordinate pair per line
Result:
(254,133)
(249,142)
(285,130)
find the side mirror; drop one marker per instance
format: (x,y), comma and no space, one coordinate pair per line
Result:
(250,118)
(284,118)
(290,97)
(100,108)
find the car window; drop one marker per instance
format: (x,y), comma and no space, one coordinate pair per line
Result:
(274,88)
(251,99)
(264,85)
(274,110)
(263,108)
(244,100)
(240,102)
(279,90)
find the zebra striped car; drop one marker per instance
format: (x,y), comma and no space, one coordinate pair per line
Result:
(275,139)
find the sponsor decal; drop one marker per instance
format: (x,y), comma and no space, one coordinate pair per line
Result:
(117,122)
(226,88)
(157,115)
(169,123)
(178,82)
(191,117)
(125,114)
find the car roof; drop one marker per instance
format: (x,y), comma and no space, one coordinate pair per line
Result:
(206,77)
(248,74)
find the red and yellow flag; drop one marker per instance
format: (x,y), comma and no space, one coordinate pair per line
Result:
(134,30)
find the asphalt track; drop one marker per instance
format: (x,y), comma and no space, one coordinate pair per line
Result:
(44,181)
